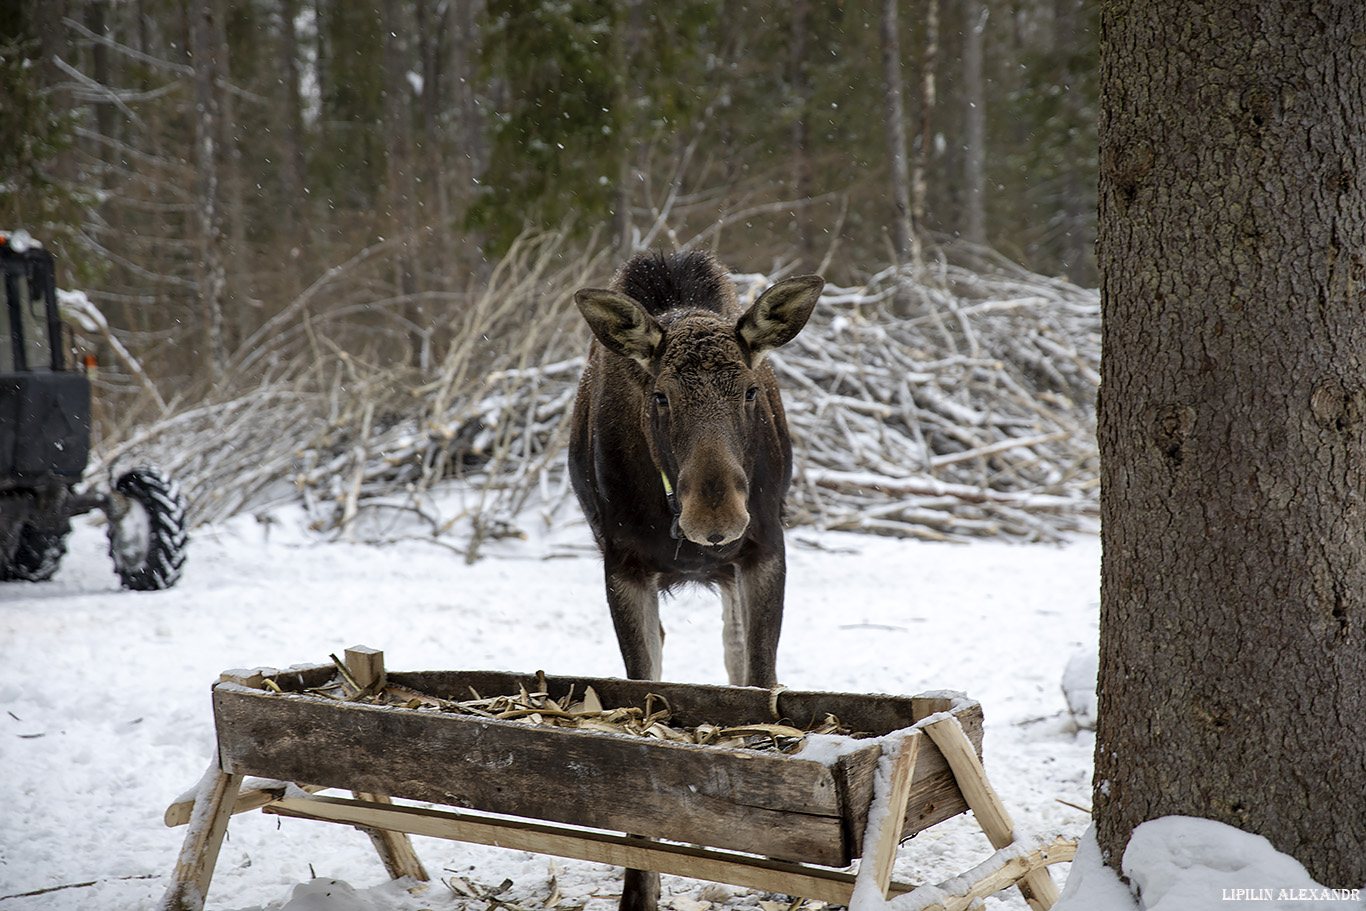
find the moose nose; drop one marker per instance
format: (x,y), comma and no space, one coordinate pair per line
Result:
(717,538)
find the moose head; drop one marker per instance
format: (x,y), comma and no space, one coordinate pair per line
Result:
(704,405)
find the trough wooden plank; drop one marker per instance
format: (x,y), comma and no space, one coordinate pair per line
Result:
(747,871)
(723,797)
(253,798)
(599,847)
(738,799)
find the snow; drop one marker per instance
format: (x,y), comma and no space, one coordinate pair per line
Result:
(1178,863)
(1079,686)
(105,716)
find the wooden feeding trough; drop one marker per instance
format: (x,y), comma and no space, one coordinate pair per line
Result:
(780,822)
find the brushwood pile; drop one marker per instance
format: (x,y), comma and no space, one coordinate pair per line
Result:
(957,406)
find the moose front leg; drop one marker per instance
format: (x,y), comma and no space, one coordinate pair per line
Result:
(633,599)
(634,602)
(759,591)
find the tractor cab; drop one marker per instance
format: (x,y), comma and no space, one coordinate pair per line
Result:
(45,444)
(29,322)
(44,401)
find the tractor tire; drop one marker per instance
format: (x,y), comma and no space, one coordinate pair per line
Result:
(37,556)
(148,541)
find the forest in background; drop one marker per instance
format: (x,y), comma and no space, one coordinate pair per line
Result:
(278,205)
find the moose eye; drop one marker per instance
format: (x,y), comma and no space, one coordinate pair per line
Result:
(751,393)
(661,400)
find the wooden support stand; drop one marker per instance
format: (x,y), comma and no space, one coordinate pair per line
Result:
(906,755)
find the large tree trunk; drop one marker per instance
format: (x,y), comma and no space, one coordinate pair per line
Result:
(1232,425)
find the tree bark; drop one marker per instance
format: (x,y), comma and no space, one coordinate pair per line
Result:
(798,80)
(1072,27)
(471,152)
(1232,425)
(925,144)
(210,269)
(905,242)
(433,26)
(974,122)
(399,172)
(294,173)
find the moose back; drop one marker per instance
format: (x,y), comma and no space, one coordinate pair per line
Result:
(679,451)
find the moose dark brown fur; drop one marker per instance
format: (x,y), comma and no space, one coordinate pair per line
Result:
(680,456)
(679,451)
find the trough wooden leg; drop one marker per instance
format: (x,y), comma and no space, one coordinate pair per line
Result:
(1037,886)
(213,805)
(395,848)
(873,884)
(366,668)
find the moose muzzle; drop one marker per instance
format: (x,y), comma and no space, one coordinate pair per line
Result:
(713,492)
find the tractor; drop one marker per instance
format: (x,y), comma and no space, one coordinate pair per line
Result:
(45,444)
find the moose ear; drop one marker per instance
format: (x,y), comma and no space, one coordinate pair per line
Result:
(779,313)
(620,323)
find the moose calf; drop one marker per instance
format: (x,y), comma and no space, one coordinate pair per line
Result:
(680,456)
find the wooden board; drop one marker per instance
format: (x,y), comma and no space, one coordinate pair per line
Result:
(769,804)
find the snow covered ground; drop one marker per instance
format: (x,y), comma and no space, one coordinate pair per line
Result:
(105,716)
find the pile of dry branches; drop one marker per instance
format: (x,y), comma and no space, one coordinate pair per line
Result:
(956,404)
(974,415)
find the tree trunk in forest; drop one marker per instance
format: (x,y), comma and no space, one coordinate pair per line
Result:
(433,26)
(97,22)
(467,125)
(974,123)
(1232,425)
(1070,31)
(624,37)
(802,182)
(399,168)
(925,143)
(905,240)
(294,173)
(211,272)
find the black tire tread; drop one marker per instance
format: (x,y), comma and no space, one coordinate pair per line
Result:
(37,557)
(167,537)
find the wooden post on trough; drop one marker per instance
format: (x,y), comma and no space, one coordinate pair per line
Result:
(875,870)
(1037,886)
(213,804)
(366,666)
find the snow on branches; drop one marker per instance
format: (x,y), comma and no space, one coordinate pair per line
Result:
(971,416)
